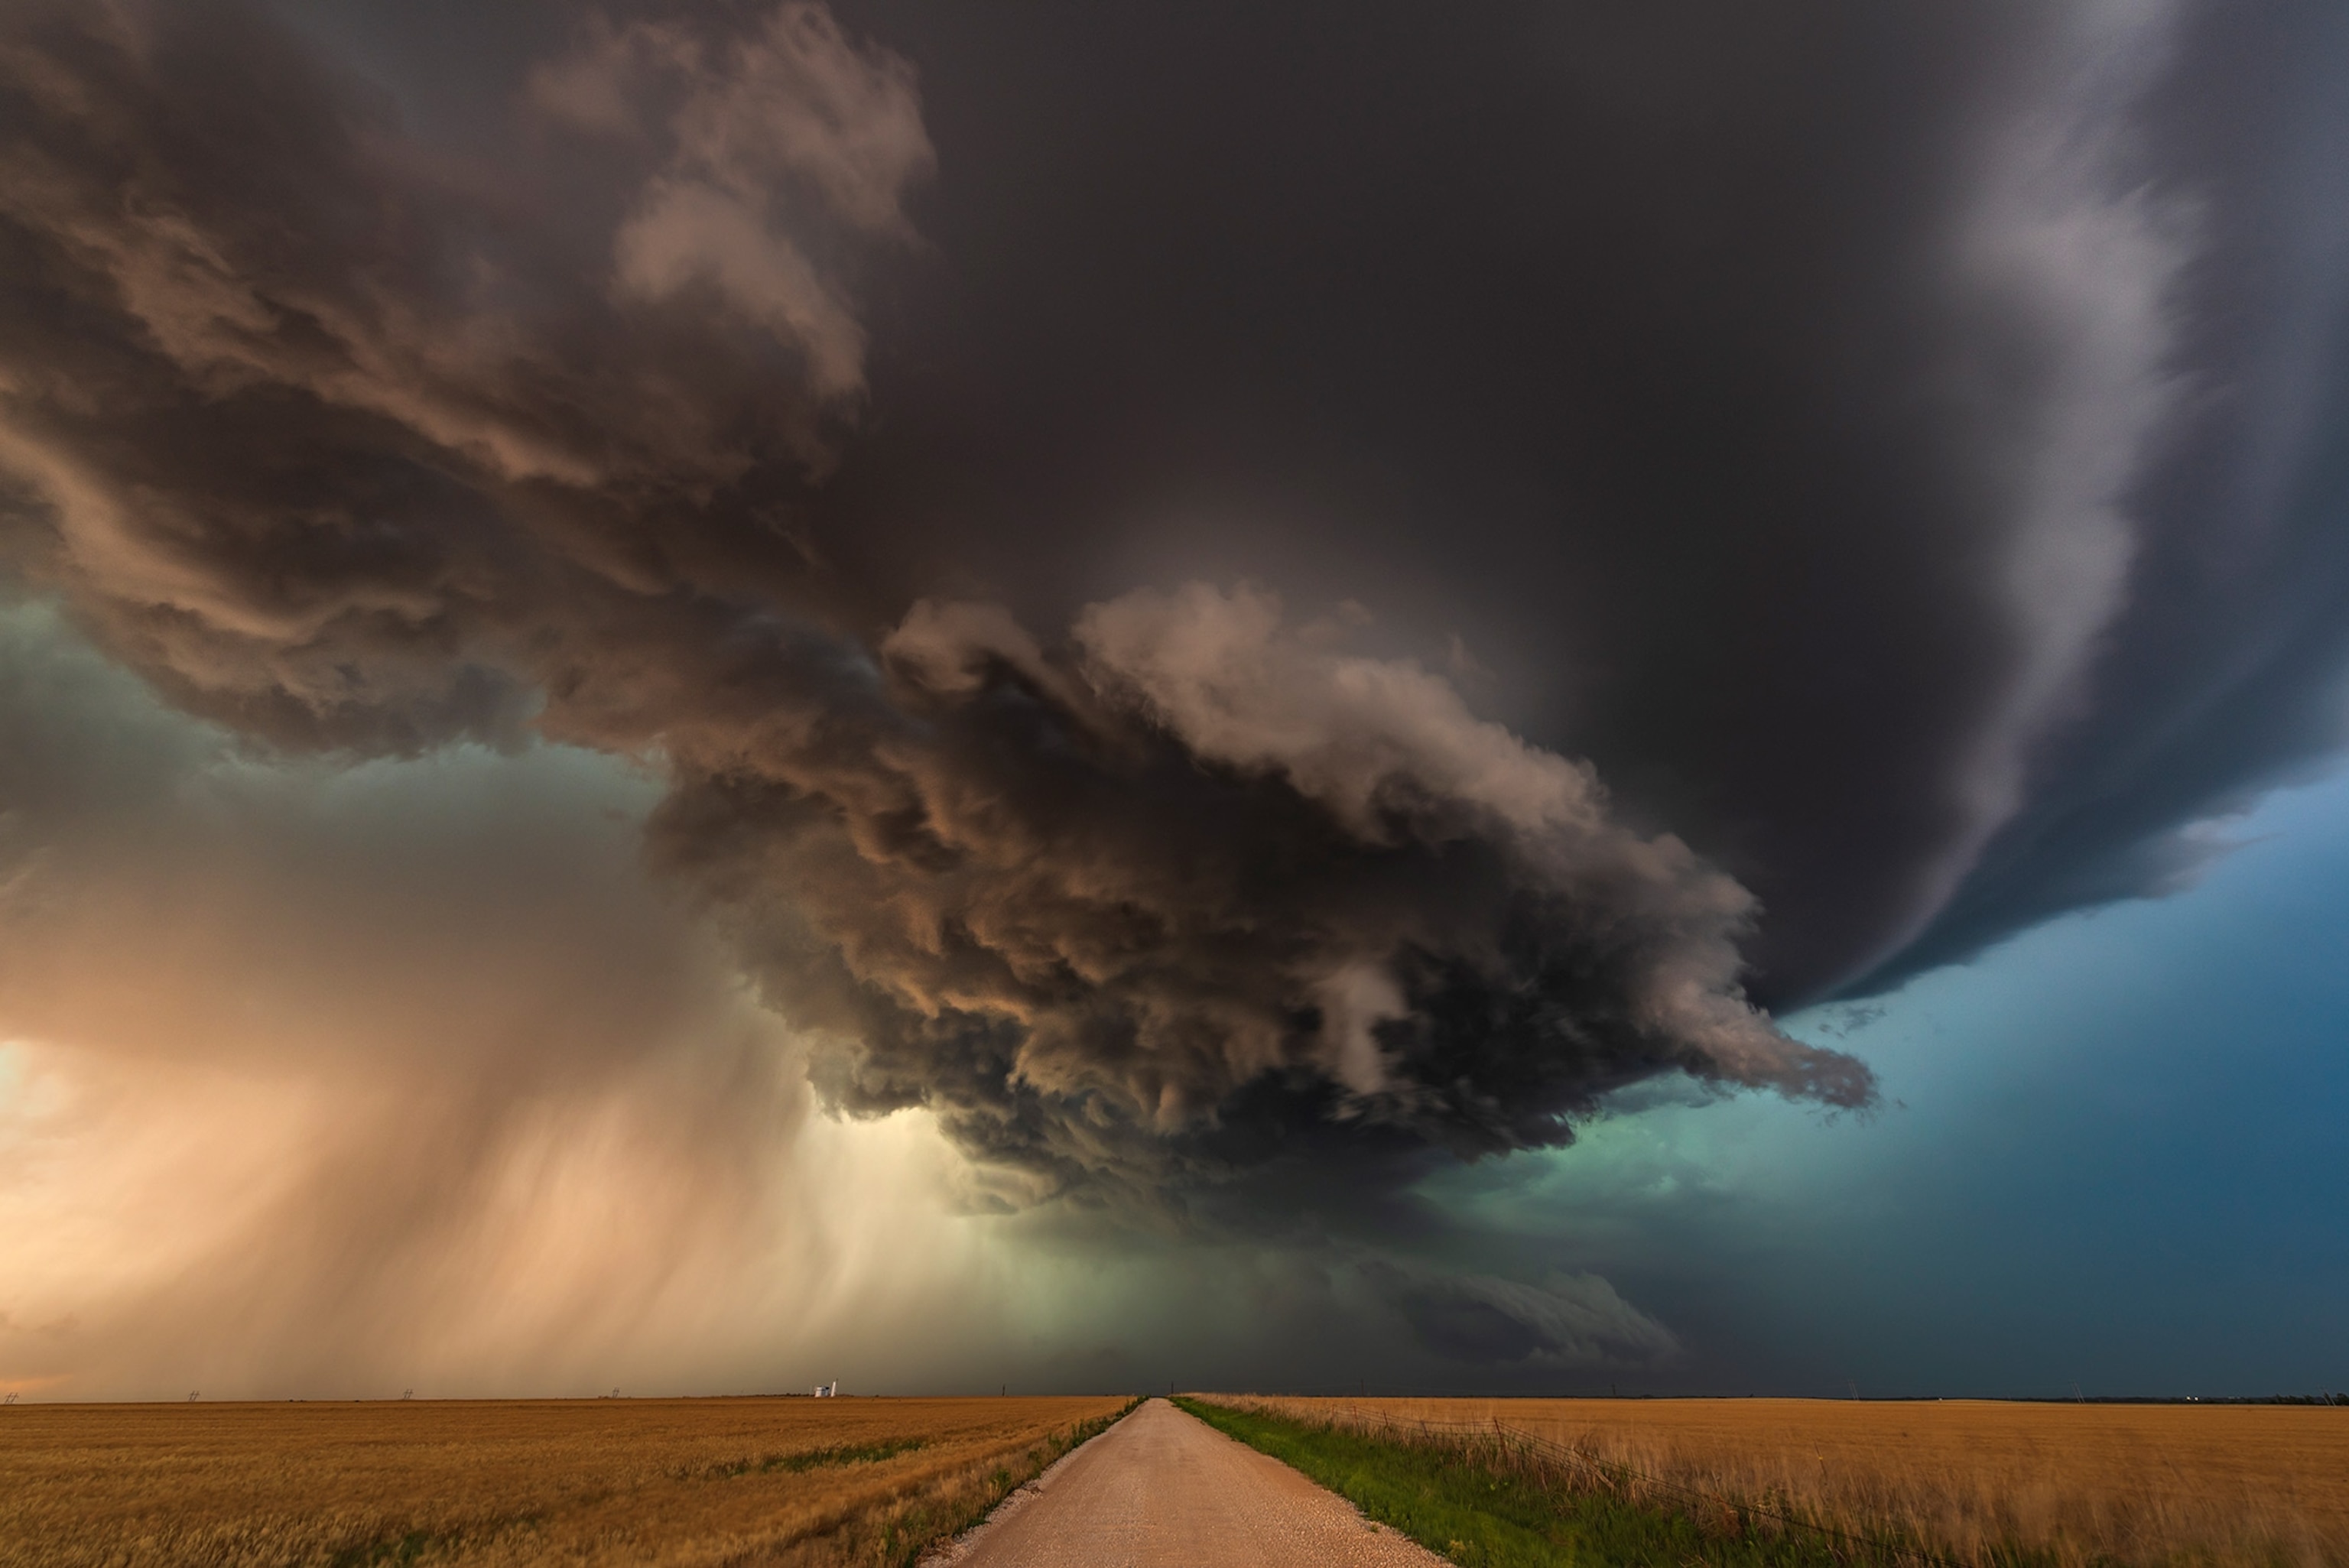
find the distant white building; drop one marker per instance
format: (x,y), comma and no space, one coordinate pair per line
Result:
(828,1390)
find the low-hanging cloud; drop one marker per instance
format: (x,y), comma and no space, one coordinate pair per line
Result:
(1882,484)
(1080,904)
(321,431)
(1479,1320)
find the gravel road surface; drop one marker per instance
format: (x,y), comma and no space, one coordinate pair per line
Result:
(1161,1489)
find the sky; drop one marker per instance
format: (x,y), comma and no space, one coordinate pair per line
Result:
(701,697)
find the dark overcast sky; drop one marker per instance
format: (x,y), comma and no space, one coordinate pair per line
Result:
(1241,602)
(1709,373)
(1642,347)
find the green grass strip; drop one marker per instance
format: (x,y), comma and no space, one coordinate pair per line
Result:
(1477,1509)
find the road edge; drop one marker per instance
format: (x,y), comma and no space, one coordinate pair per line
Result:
(955,1548)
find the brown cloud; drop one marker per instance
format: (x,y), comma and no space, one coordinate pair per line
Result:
(355,443)
(1085,903)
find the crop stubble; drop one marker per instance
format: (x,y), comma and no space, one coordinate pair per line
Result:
(671,1481)
(2132,1483)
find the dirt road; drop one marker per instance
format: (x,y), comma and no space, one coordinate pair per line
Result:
(1160,1487)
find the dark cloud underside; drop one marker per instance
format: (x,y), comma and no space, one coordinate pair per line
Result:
(1885,443)
(1695,364)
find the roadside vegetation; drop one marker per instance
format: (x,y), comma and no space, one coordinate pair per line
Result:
(1800,1483)
(803,1483)
(1479,1504)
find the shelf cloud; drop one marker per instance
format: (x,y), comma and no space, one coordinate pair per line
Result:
(1238,619)
(394,475)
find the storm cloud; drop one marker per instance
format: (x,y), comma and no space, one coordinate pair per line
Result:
(1215,591)
(342,486)
(1567,1320)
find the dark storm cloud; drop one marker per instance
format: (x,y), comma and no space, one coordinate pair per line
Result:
(357,441)
(326,421)
(1568,1320)
(2221,676)
(1820,420)
(1083,903)
(1898,446)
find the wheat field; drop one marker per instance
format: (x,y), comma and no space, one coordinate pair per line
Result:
(666,1482)
(2127,1483)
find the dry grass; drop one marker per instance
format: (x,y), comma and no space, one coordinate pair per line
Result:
(2130,1484)
(670,1481)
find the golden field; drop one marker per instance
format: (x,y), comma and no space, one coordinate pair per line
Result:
(671,1481)
(2132,1483)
